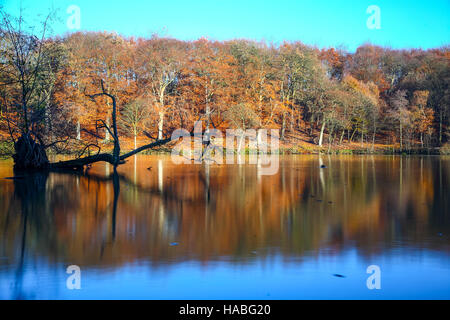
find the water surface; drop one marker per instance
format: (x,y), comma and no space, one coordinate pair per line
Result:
(165,231)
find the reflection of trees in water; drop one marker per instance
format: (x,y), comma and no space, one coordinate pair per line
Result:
(29,194)
(215,211)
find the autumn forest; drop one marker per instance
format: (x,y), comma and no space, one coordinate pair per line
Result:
(320,99)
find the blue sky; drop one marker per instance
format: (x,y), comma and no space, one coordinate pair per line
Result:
(404,24)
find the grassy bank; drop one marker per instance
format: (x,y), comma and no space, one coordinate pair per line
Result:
(289,146)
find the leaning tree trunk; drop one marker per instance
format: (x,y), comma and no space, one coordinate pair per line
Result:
(321,133)
(29,154)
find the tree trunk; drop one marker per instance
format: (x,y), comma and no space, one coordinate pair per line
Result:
(330,139)
(373,139)
(401,137)
(241,139)
(78,130)
(353,134)
(29,154)
(258,138)
(208,117)
(107,137)
(342,137)
(160,125)
(321,134)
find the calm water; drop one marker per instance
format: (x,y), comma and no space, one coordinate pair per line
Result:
(226,232)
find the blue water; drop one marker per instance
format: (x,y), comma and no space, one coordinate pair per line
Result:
(223,233)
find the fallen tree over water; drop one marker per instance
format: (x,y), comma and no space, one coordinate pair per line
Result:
(30,67)
(115,158)
(78,164)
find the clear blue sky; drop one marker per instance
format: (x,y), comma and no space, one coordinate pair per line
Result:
(404,24)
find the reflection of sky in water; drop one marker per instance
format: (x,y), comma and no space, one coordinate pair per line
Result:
(405,274)
(224,232)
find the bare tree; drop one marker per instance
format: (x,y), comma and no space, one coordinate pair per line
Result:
(133,116)
(29,64)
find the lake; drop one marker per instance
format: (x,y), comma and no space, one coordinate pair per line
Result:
(158,230)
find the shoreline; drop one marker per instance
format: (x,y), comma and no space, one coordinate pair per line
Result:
(294,151)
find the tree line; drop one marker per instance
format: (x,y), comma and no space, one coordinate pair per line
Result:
(59,89)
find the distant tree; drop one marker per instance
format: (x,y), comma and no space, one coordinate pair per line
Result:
(335,62)
(133,116)
(158,69)
(400,112)
(209,76)
(241,116)
(422,116)
(29,66)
